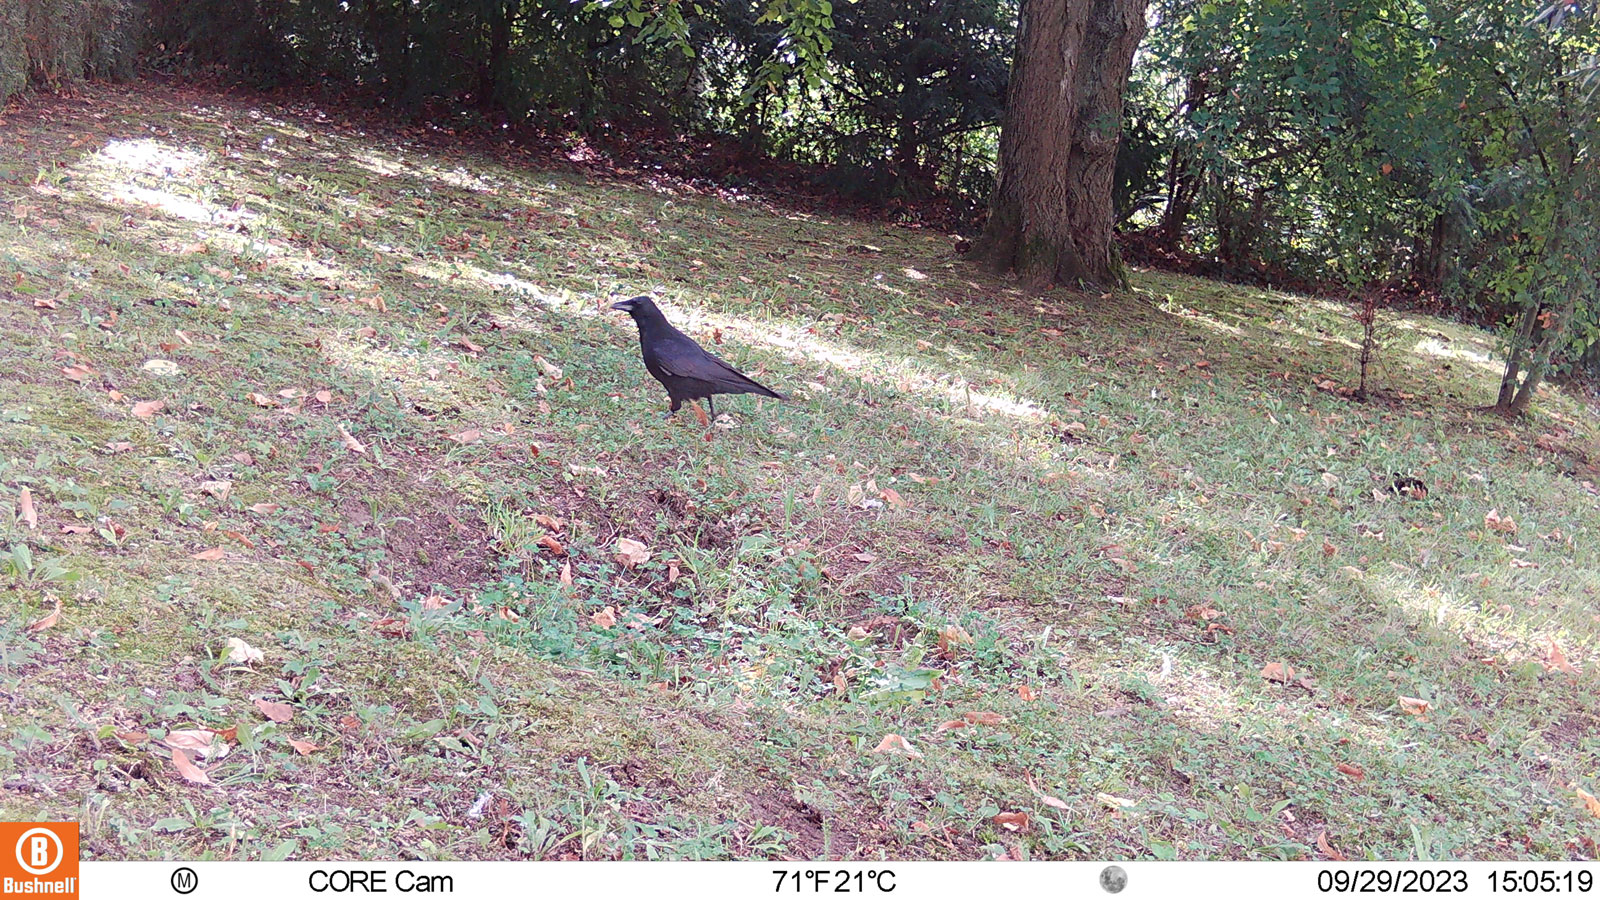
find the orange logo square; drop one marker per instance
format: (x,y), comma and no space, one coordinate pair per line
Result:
(38,859)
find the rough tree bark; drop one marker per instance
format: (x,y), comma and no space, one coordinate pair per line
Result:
(1051,215)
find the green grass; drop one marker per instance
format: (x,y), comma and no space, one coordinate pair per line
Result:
(1128,505)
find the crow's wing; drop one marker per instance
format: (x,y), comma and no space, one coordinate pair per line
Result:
(690,360)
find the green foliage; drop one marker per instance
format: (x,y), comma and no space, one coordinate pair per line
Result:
(52,43)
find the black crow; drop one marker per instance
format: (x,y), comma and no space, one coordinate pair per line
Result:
(683,367)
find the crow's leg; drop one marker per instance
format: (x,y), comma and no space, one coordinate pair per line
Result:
(676,404)
(712,402)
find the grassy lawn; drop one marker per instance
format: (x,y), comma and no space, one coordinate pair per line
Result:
(1125,574)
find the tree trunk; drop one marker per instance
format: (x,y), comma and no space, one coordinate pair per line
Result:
(492,71)
(1051,217)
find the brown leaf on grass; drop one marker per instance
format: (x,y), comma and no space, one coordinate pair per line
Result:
(1329,549)
(196,739)
(76,529)
(984,718)
(551,370)
(471,435)
(1589,801)
(1493,521)
(566,574)
(367,331)
(264,509)
(1012,821)
(241,652)
(865,557)
(950,637)
(554,546)
(79,374)
(261,400)
(1355,772)
(1203,612)
(277,712)
(548,523)
(131,737)
(49,620)
(466,344)
(1414,706)
(1027,693)
(187,769)
(894,743)
(1327,848)
(1277,671)
(1555,660)
(218,489)
(114,447)
(324,397)
(350,442)
(30,516)
(951,725)
(240,538)
(304,748)
(700,414)
(212,555)
(145,409)
(1111,801)
(893,498)
(631,553)
(605,618)
(1046,799)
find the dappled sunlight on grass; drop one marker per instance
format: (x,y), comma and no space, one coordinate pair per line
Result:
(973,492)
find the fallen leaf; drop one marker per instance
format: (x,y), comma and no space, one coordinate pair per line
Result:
(1493,521)
(196,739)
(1113,802)
(984,718)
(631,553)
(132,737)
(1012,821)
(951,725)
(277,712)
(144,409)
(1589,802)
(894,743)
(25,504)
(187,769)
(350,442)
(47,621)
(566,574)
(241,539)
(79,374)
(304,748)
(1414,706)
(605,618)
(264,509)
(549,369)
(212,555)
(700,414)
(865,557)
(261,399)
(554,546)
(1046,799)
(241,652)
(1556,661)
(469,436)
(1276,671)
(1355,772)
(467,345)
(548,523)
(1322,836)
(1026,692)
(218,489)
(893,497)
(118,447)
(76,529)
(324,397)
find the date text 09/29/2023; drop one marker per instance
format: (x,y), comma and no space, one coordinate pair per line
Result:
(1453,881)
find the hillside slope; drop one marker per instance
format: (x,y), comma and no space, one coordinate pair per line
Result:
(1128,566)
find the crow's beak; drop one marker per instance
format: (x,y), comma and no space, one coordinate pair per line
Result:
(623,305)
